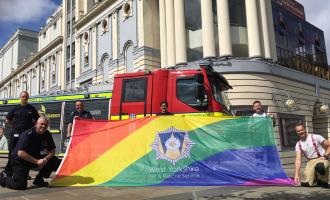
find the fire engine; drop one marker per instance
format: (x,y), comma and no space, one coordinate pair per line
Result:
(135,95)
(186,91)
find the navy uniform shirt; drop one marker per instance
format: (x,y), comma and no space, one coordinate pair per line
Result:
(83,114)
(37,145)
(166,113)
(23,117)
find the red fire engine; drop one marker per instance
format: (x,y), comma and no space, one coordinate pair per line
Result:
(198,91)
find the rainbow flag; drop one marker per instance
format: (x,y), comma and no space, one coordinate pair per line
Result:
(172,151)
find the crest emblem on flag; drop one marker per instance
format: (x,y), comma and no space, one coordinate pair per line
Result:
(172,145)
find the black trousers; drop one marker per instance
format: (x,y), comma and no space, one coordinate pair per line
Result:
(21,172)
(13,139)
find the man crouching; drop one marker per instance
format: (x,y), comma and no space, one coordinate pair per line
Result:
(316,149)
(35,148)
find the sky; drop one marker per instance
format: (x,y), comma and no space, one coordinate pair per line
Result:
(32,14)
(28,14)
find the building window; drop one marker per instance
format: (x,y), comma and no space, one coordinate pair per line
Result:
(54,25)
(44,35)
(68,52)
(43,75)
(6,93)
(104,25)
(127,10)
(237,14)
(53,77)
(24,83)
(73,72)
(85,60)
(129,61)
(73,49)
(295,42)
(105,67)
(67,74)
(68,28)
(134,90)
(288,134)
(53,69)
(68,5)
(34,72)
(86,47)
(193,20)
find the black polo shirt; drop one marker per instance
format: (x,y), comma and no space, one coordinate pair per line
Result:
(83,114)
(23,117)
(166,113)
(37,145)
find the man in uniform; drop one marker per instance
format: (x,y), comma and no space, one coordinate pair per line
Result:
(79,112)
(316,149)
(22,117)
(164,109)
(35,148)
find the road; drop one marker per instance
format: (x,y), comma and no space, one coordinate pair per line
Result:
(162,193)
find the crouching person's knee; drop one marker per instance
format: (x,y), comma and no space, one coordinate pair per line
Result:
(320,168)
(18,185)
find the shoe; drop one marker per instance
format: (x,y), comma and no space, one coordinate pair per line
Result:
(305,184)
(5,174)
(3,181)
(40,182)
(322,184)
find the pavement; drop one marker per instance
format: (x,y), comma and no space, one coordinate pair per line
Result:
(162,193)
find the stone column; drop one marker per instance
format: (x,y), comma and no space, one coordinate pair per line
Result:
(162,27)
(208,29)
(270,23)
(225,48)
(253,29)
(265,29)
(170,32)
(140,12)
(94,47)
(114,35)
(180,33)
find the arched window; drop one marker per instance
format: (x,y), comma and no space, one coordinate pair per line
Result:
(129,57)
(42,76)
(105,67)
(6,93)
(53,69)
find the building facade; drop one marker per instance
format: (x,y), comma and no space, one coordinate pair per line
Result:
(265,49)
(40,73)
(299,44)
(115,37)
(16,51)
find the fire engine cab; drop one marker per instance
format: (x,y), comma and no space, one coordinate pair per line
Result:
(198,91)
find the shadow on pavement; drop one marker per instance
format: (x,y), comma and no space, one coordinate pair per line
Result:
(70,180)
